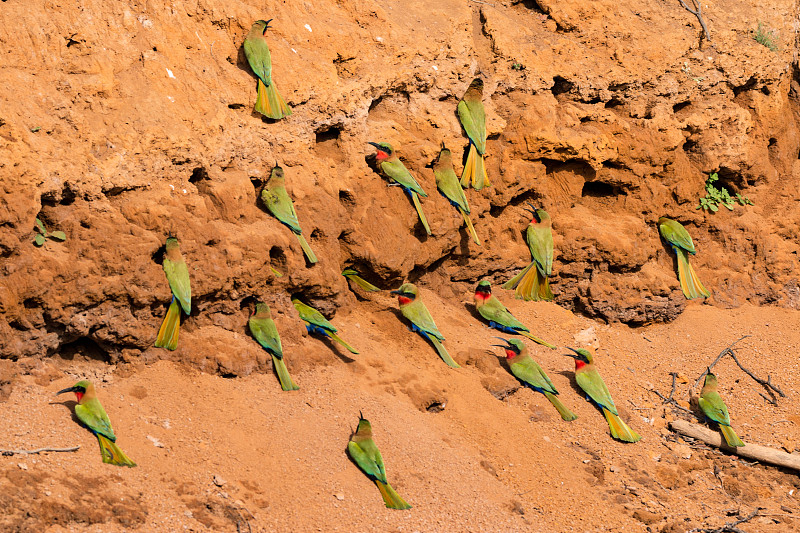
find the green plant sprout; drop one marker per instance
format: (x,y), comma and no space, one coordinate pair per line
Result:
(766,37)
(716,196)
(42,236)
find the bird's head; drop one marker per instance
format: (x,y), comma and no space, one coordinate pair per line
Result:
(513,347)
(80,389)
(406,294)
(384,150)
(483,290)
(263,24)
(582,357)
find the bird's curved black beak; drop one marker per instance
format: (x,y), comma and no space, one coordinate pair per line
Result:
(68,389)
(569,354)
(397,292)
(376,145)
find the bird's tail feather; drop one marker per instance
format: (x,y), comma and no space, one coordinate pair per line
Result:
(390,497)
(562,409)
(338,339)
(442,352)
(534,338)
(270,103)
(474,170)
(312,258)
(731,437)
(170,327)
(364,284)
(418,207)
(543,283)
(470,228)
(526,283)
(619,429)
(112,454)
(690,283)
(283,374)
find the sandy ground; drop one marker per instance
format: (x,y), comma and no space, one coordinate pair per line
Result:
(219,454)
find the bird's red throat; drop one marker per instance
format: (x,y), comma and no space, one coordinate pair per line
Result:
(403,300)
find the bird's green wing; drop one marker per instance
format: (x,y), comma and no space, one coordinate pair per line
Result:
(417,313)
(368,459)
(396,170)
(279,204)
(178,278)
(530,372)
(594,386)
(265,332)
(473,118)
(540,243)
(674,232)
(495,311)
(448,183)
(257,53)
(312,316)
(94,417)
(714,408)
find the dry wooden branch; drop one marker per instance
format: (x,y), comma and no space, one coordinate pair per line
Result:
(9,453)
(697,12)
(729,527)
(766,383)
(762,454)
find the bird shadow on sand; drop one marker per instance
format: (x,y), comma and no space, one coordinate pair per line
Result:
(69,404)
(335,347)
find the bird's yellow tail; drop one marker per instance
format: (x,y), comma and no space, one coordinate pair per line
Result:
(565,413)
(283,374)
(443,353)
(731,437)
(543,283)
(338,339)
(310,255)
(690,283)
(168,332)
(525,284)
(390,497)
(418,206)
(269,102)
(535,339)
(112,454)
(474,170)
(619,429)
(470,227)
(364,284)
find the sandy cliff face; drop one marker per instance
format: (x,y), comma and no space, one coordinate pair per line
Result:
(122,122)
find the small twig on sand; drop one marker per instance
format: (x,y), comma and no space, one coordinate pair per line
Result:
(697,12)
(670,400)
(482,2)
(9,453)
(729,527)
(766,383)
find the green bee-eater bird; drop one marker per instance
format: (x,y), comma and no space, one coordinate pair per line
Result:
(681,243)
(421,320)
(448,185)
(532,282)
(268,100)
(277,200)
(715,409)
(395,170)
(353,275)
(490,308)
(588,379)
(473,118)
(368,458)
(178,278)
(92,415)
(316,323)
(263,329)
(531,374)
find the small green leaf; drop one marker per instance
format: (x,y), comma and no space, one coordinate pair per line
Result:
(713,207)
(58,235)
(39,239)
(40,226)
